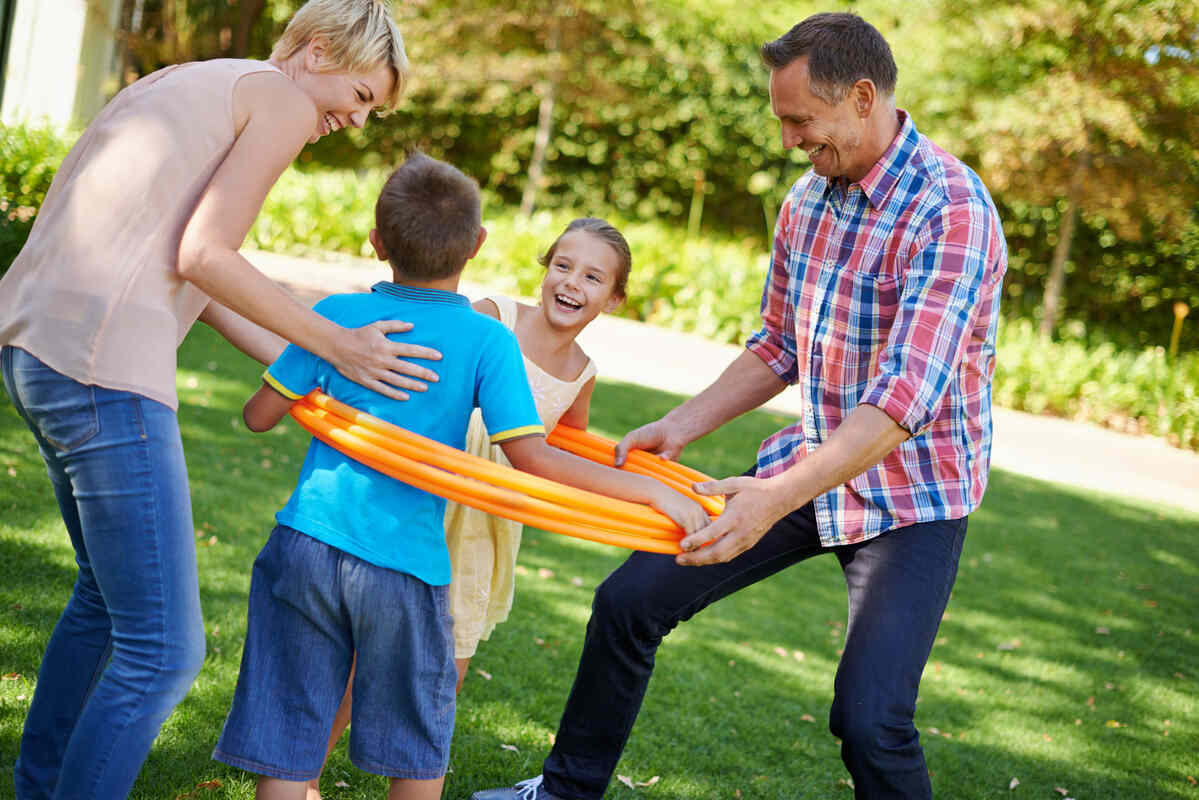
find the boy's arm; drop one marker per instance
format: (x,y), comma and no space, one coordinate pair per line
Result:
(264,410)
(579,413)
(250,338)
(531,454)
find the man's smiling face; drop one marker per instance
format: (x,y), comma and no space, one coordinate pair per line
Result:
(831,135)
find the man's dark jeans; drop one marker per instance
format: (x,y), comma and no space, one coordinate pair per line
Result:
(898,583)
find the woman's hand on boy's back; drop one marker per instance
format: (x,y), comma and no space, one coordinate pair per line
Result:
(366,356)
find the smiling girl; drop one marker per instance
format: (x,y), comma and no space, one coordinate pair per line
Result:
(586,271)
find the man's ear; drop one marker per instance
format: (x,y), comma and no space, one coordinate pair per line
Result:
(479,242)
(377,243)
(864,94)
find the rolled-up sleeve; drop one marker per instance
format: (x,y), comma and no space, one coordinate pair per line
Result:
(774,343)
(938,308)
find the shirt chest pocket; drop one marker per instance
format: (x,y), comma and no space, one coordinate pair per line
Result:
(854,312)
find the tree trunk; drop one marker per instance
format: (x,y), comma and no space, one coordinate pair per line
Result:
(1056,282)
(249,13)
(545,123)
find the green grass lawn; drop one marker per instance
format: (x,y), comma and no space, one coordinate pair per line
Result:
(1068,657)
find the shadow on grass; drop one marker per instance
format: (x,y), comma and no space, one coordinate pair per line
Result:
(1068,606)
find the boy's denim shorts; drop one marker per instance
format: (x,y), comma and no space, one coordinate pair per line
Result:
(312,607)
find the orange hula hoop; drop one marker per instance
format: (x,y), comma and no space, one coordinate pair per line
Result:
(504,491)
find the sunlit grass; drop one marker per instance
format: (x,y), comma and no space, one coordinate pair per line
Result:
(1067,657)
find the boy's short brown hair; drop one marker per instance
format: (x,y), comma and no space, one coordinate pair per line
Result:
(428,216)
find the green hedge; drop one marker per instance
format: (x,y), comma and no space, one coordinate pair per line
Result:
(711,286)
(29,157)
(1138,391)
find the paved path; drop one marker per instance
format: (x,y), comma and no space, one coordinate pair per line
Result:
(1046,448)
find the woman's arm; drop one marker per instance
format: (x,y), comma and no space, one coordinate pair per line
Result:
(279,120)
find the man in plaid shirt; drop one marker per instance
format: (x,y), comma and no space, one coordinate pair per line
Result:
(881,308)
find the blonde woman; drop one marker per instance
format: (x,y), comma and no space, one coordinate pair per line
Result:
(137,239)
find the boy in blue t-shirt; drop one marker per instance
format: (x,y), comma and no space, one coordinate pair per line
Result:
(358,562)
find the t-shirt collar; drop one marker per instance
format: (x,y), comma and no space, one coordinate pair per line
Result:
(403,292)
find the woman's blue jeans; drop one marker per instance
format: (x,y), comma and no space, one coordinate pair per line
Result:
(131,640)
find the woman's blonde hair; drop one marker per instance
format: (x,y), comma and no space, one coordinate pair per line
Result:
(361,35)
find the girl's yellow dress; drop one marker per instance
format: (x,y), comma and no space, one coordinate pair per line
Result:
(483,547)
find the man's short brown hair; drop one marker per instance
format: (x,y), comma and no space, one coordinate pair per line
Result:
(842,49)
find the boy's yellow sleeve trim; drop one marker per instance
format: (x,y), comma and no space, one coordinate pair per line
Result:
(272,382)
(516,433)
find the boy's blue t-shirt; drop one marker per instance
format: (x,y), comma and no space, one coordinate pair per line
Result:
(366,513)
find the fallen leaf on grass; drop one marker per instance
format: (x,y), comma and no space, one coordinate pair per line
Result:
(545,572)
(342,785)
(1013,784)
(1191,780)
(1102,631)
(577,581)
(511,747)
(12,676)
(12,473)
(521,569)
(484,674)
(780,652)
(1012,645)
(1061,791)
(798,655)
(629,782)
(1111,723)
(807,718)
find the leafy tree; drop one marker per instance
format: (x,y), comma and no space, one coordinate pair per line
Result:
(1086,106)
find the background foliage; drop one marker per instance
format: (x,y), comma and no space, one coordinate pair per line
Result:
(1080,115)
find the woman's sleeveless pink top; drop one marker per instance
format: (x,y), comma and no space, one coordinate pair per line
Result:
(95,292)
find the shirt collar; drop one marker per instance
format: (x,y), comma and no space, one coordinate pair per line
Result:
(878,182)
(402,292)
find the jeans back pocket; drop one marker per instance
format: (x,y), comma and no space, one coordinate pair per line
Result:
(60,409)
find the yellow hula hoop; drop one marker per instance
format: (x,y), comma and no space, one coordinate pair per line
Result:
(504,491)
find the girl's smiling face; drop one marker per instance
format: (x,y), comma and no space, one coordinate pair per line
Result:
(580,280)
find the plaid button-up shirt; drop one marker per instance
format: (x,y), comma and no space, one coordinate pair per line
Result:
(886,291)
